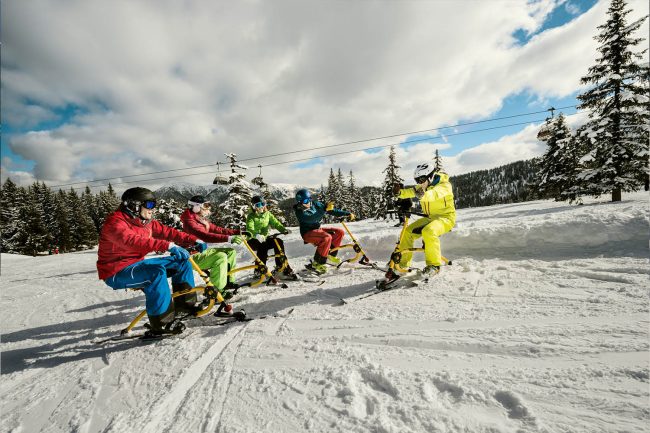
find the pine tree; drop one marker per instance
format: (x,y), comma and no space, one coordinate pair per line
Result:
(9,216)
(46,201)
(107,203)
(332,192)
(619,108)
(90,202)
(387,199)
(354,198)
(343,200)
(437,161)
(63,215)
(82,229)
(233,211)
(33,237)
(550,175)
(168,212)
(571,166)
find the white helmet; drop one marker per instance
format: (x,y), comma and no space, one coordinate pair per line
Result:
(423,172)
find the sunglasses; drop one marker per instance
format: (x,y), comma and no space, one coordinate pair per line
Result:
(206,205)
(149,204)
(421,179)
(259,205)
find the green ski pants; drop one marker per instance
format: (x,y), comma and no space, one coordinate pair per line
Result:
(218,261)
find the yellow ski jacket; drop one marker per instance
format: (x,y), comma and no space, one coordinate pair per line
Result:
(437,200)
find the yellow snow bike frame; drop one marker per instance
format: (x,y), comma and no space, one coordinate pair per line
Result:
(356,247)
(208,291)
(265,273)
(396,255)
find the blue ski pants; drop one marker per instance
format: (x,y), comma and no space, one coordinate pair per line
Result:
(151,276)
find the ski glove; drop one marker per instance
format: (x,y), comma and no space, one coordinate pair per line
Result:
(177,252)
(236,239)
(329,206)
(397,187)
(201,246)
(351,216)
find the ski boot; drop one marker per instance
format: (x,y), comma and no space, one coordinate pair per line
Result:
(389,279)
(166,323)
(186,303)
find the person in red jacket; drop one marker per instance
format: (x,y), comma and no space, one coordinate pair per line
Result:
(217,260)
(127,235)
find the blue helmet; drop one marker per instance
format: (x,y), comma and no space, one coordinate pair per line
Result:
(303,196)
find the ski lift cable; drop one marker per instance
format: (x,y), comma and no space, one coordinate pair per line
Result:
(310,149)
(325,156)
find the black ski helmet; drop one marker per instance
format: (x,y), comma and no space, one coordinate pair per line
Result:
(257,199)
(134,198)
(196,202)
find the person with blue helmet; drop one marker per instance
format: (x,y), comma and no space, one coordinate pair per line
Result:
(310,213)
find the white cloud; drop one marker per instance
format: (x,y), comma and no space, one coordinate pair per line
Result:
(172,84)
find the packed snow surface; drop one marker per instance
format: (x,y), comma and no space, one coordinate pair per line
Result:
(539,325)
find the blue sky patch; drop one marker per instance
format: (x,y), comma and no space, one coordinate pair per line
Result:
(561,15)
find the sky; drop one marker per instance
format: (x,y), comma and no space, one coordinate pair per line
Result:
(104,90)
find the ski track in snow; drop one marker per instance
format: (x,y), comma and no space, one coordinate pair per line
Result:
(540,325)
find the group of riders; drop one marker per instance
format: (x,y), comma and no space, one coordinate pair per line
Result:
(129,233)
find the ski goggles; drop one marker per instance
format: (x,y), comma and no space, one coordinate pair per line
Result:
(204,205)
(421,179)
(305,200)
(148,204)
(259,205)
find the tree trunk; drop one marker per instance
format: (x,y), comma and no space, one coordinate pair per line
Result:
(616,194)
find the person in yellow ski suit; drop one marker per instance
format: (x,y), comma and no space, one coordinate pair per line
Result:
(437,201)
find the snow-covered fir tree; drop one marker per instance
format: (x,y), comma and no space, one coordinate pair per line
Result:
(345,199)
(550,174)
(569,161)
(45,199)
(33,237)
(107,202)
(619,104)
(387,199)
(9,216)
(354,197)
(82,229)
(437,162)
(63,236)
(91,203)
(168,212)
(232,213)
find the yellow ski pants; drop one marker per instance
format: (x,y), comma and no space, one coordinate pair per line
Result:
(429,229)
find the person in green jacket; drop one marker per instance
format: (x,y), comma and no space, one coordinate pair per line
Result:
(258,222)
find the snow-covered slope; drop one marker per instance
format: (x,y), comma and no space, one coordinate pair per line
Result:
(540,325)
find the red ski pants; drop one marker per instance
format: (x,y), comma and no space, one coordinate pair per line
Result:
(324,238)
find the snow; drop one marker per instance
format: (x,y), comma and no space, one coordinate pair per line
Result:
(540,325)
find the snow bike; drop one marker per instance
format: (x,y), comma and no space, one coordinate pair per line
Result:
(262,269)
(209,292)
(395,271)
(281,255)
(356,247)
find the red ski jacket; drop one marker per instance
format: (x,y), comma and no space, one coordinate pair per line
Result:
(125,240)
(193,225)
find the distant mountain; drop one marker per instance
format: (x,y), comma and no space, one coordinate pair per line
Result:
(510,183)
(182,191)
